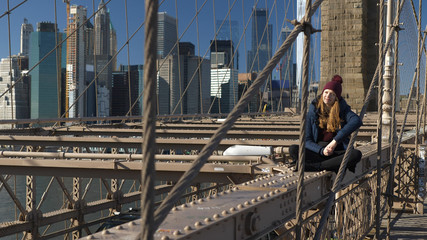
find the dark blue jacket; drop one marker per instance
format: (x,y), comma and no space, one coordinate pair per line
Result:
(350,122)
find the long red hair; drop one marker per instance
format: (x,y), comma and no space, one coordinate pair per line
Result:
(329,117)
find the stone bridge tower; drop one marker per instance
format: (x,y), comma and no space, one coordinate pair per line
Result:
(348,47)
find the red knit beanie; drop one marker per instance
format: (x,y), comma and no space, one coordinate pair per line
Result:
(334,85)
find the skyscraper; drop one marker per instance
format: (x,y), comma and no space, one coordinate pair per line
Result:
(113,46)
(26,30)
(229,30)
(46,76)
(15,104)
(76,65)
(287,62)
(224,77)
(166,35)
(126,90)
(103,49)
(102,30)
(183,82)
(261,42)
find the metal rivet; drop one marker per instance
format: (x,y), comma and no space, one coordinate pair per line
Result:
(216,216)
(90,237)
(236,188)
(207,220)
(187,228)
(201,200)
(131,224)
(233,209)
(105,232)
(184,205)
(266,195)
(177,232)
(119,227)
(198,224)
(259,198)
(174,209)
(240,206)
(254,200)
(277,191)
(165,238)
(224,213)
(247,203)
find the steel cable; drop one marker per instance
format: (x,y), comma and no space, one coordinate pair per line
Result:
(304,101)
(149,119)
(379,120)
(392,131)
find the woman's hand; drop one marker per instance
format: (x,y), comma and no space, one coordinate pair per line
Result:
(329,149)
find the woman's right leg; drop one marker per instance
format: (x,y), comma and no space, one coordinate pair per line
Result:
(312,159)
(333,164)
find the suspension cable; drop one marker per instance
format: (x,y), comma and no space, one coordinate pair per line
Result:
(379,121)
(149,119)
(58,66)
(304,101)
(95,67)
(128,58)
(9,11)
(392,133)
(198,62)
(10,59)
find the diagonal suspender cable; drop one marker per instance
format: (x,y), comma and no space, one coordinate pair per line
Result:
(221,132)
(10,58)
(128,59)
(417,142)
(344,162)
(379,121)
(392,130)
(12,9)
(149,120)
(58,66)
(304,100)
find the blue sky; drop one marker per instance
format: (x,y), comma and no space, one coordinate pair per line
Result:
(211,10)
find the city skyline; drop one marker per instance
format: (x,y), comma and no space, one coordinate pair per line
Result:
(136,13)
(44,11)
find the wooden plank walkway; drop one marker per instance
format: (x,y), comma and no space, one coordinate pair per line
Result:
(406,225)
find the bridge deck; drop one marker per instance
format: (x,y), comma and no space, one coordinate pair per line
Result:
(406,225)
